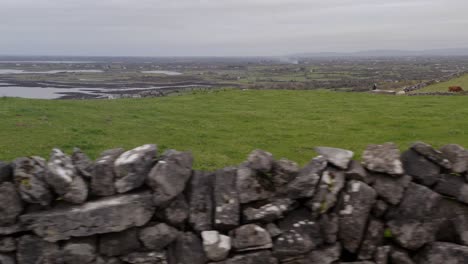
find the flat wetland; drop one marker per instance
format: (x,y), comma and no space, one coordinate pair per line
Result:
(221,127)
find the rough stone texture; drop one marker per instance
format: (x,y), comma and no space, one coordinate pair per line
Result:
(11,205)
(260,160)
(326,195)
(80,251)
(373,238)
(336,156)
(226,199)
(157,237)
(391,189)
(357,172)
(329,224)
(440,252)
(261,257)
(291,244)
(106,215)
(64,179)
(7,244)
(383,158)
(83,164)
(199,195)
(421,169)
(284,171)
(121,243)
(146,258)
(380,208)
(132,167)
(187,249)
(382,255)
(170,175)
(357,204)
(412,223)
(103,175)
(12,229)
(7,259)
(400,257)
(454,186)
(108,260)
(29,177)
(216,246)
(269,212)
(6,172)
(457,155)
(253,189)
(304,185)
(273,230)
(431,154)
(33,250)
(326,255)
(250,237)
(176,213)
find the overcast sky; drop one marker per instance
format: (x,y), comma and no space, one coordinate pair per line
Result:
(228,27)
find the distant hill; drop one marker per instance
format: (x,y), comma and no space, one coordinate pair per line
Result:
(388,53)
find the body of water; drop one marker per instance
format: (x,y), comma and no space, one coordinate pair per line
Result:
(172,73)
(55,93)
(12,71)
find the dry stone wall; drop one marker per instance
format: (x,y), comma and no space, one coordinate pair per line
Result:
(140,207)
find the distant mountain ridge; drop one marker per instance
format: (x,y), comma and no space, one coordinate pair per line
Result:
(389,53)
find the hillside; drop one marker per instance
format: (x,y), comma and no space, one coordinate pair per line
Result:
(222,127)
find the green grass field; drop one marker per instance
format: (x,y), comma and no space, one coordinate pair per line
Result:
(222,127)
(443,86)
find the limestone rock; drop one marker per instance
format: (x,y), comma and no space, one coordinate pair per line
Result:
(226,199)
(357,204)
(103,175)
(12,229)
(441,252)
(431,154)
(383,158)
(261,257)
(329,224)
(32,250)
(112,214)
(132,167)
(326,195)
(7,244)
(199,195)
(372,239)
(357,172)
(253,189)
(7,259)
(326,255)
(79,251)
(121,243)
(400,257)
(250,237)
(291,244)
(187,249)
(176,213)
(421,169)
(29,177)
(338,157)
(11,205)
(284,171)
(304,185)
(146,258)
(170,175)
(216,246)
(6,172)
(269,212)
(382,255)
(108,260)
(389,188)
(380,208)
(273,230)
(157,237)
(454,186)
(412,222)
(83,164)
(457,155)
(63,178)
(260,160)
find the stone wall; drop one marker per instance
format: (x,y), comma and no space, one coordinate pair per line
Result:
(138,207)
(446,78)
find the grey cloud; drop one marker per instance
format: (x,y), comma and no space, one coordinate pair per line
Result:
(227,27)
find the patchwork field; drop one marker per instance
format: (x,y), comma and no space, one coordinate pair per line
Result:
(222,127)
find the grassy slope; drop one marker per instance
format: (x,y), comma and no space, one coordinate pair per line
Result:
(443,86)
(221,128)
